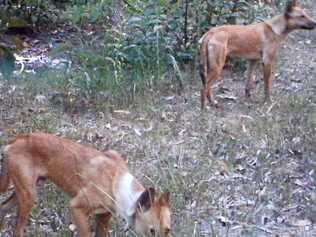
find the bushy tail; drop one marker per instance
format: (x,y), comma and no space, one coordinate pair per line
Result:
(4,174)
(204,62)
(202,66)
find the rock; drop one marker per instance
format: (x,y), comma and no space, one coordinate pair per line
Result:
(56,98)
(72,227)
(40,99)
(300,223)
(60,63)
(308,41)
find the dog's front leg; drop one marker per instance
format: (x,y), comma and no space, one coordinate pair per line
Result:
(80,215)
(251,77)
(268,61)
(267,76)
(102,224)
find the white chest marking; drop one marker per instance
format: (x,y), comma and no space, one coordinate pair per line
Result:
(126,196)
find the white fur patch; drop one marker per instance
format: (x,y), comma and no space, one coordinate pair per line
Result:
(98,160)
(201,40)
(126,196)
(213,42)
(6,149)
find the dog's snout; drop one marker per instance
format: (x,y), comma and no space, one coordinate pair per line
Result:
(312,25)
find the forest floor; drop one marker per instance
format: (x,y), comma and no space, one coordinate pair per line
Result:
(244,169)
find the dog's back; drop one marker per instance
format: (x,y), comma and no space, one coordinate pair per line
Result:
(244,41)
(98,183)
(62,161)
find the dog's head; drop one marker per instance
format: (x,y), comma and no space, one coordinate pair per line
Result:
(152,217)
(297,18)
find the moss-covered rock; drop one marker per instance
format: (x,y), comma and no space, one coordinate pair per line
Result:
(15,22)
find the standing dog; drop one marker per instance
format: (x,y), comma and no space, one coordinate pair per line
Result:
(258,42)
(98,183)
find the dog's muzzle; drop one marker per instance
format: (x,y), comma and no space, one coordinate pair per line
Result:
(313,25)
(310,26)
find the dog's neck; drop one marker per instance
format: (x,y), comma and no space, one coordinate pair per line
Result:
(278,25)
(128,191)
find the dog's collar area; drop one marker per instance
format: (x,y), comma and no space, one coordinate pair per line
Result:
(271,29)
(277,26)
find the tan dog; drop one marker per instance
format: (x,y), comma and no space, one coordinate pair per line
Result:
(258,42)
(98,183)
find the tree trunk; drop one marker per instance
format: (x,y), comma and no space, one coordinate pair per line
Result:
(116,13)
(185,30)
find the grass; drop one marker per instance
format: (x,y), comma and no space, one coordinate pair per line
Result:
(230,172)
(223,170)
(244,170)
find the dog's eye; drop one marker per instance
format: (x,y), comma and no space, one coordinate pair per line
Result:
(152,231)
(302,16)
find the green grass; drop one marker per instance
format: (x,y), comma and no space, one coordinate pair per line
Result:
(205,159)
(241,163)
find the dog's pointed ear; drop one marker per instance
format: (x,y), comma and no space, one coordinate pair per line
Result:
(290,5)
(146,200)
(164,199)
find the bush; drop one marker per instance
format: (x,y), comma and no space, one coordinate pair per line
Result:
(154,39)
(22,14)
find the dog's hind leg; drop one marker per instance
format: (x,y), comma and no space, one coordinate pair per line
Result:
(203,78)
(216,60)
(25,188)
(250,84)
(207,92)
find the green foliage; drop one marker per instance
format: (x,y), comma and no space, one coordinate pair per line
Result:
(45,123)
(127,59)
(152,40)
(81,14)
(14,13)
(7,61)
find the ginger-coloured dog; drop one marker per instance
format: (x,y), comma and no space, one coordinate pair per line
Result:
(99,184)
(258,42)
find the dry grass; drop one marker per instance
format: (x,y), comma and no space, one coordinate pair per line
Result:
(244,170)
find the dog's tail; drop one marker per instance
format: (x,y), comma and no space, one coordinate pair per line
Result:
(204,60)
(4,173)
(202,64)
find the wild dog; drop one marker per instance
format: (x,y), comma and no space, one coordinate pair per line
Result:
(258,42)
(99,184)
